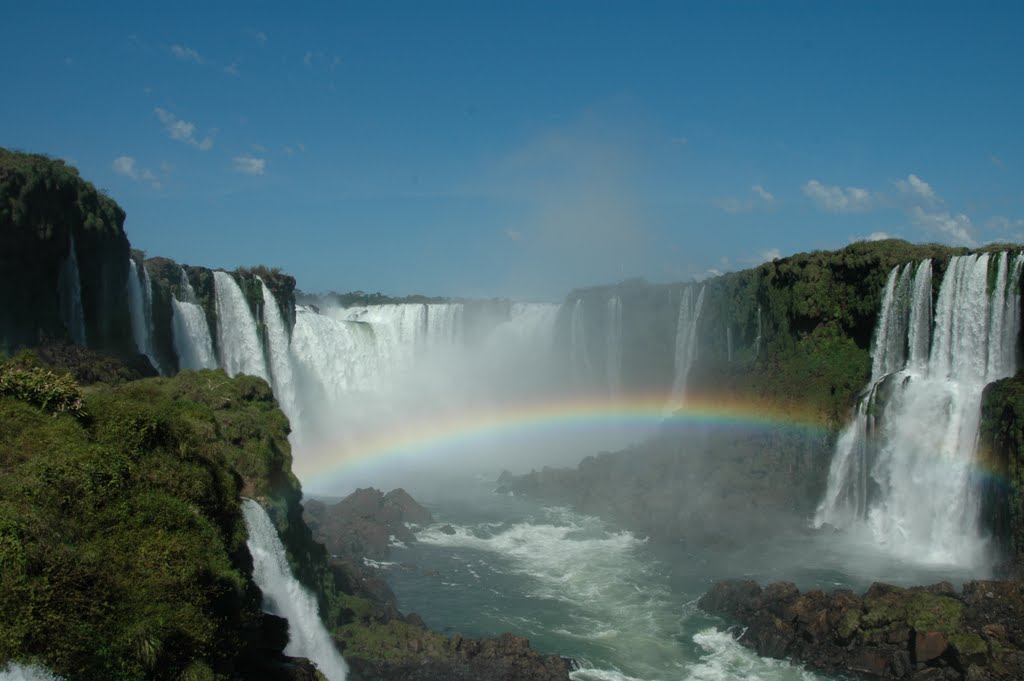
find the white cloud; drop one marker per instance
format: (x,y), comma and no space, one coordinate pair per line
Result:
(1003,223)
(958,226)
(918,189)
(765,195)
(125,165)
(261,37)
(187,54)
(837,199)
(232,69)
(732,205)
(770,254)
(250,165)
(183,131)
(308,59)
(514,234)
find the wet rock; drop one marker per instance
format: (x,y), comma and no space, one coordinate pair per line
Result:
(927,633)
(362,524)
(447,529)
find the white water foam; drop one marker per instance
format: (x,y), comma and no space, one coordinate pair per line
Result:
(284,596)
(686,342)
(237,337)
(191,332)
(279,347)
(14,671)
(902,470)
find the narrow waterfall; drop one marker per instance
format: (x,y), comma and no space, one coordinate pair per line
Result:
(192,341)
(613,346)
(284,596)
(757,340)
(686,342)
(579,356)
(69,291)
(902,470)
(240,349)
(279,348)
(140,304)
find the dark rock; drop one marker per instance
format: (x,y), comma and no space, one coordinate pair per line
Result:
(929,645)
(929,632)
(361,525)
(447,529)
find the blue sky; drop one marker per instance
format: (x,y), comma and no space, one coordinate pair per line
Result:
(523,149)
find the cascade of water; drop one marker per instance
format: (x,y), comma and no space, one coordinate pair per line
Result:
(279,347)
(69,291)
(757,340)
(191,332)
(140,304)
(686,342)
(284,596)
(443,325)
(728,343)
(613,346)
(902,469)
(579,357)
(240,349)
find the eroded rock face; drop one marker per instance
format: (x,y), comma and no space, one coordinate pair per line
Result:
(918,633)
(362,524)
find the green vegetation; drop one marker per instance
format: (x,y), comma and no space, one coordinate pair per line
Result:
(122,544)
(1001,439)
(40,196)
(43,204)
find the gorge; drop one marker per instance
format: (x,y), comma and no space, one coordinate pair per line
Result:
(858,409)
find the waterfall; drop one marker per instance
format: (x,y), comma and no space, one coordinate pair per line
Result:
(279,348)
(686,342)
(14,671)
(69,291)
(240,349)
(192,341)
(902,470)
(579,357)
(757,340)
(613,346)
(284,596)
(140,304)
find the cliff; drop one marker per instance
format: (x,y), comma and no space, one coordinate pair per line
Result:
(45,209)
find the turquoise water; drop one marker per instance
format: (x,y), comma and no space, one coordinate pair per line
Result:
(621,606)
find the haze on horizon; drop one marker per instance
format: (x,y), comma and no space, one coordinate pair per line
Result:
(476,149)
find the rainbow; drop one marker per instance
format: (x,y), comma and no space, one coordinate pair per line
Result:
(420,440)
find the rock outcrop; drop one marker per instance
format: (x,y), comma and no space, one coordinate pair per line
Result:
(918,633)
(362,524)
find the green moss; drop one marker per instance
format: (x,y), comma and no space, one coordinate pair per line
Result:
(849,623)
(969,644)
(393,642)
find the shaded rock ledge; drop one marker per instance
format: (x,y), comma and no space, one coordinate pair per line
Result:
(927,633)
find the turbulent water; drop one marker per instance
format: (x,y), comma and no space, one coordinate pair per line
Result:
(902,472)
(284,596)
(17,672)
(622,607)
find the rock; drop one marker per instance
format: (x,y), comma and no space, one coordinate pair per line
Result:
(926,633)
(447,529)
(929,645)
(361,524)
(411,511)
